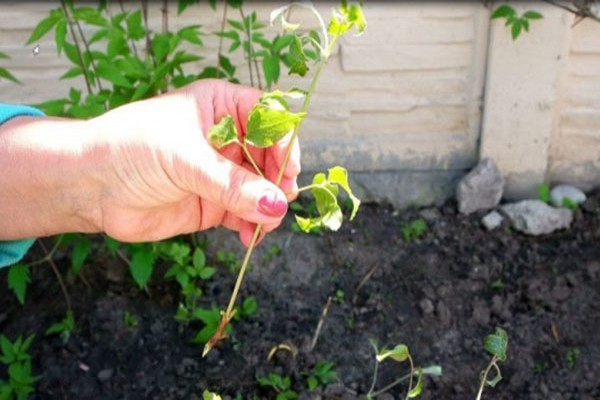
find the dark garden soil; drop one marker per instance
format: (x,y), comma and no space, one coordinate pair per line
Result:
(440,295)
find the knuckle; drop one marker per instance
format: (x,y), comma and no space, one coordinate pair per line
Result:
(231,194)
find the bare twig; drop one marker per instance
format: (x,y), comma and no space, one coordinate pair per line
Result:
(220,50)
(581,9)
(362,283)
(77,46)
(249,45)
(320,324)
(57,273)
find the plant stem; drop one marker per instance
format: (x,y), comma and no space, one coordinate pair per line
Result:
(48,258)
(77,46)
(251,159)
(410,378)
(372,394)
(219,51)
(304,109)
(249,39)
(238,283)
(484,376)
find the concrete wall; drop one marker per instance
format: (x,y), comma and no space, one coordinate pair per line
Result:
(403,105)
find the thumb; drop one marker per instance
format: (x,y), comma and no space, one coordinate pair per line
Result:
(239,191)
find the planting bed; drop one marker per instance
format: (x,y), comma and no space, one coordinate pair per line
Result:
(440,294)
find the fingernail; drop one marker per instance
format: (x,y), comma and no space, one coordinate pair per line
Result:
(272,204)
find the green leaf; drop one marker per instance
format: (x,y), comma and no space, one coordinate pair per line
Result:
(81,250)
(271,69)
(7,75)
(398,353)
(207,272)
(223,133)
(60,35)
(109,72)
(18,278)
(199,259)
(71,53)
(297,58)
(191,34)
(496,344)
(503,11)
(112,245)
(44,26)
(516,29)
(418,388)
(339,176)
(135,29)
(3,55)
(117,45)
(354,16)
(532,15)
(183,4)
(142,264)
(206,395)
(140,91)
(160,47)
(270,120)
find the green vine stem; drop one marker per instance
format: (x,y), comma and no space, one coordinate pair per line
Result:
(229,312)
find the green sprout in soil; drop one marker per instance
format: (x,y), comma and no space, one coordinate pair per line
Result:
(494,344)
(272,119)
(322,374)
(414,229)
(64,328)
(280,384)
(15,356)
(400,354)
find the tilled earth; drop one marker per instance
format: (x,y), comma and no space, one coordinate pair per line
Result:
(440,295)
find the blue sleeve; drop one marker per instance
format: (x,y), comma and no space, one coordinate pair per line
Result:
(12,251)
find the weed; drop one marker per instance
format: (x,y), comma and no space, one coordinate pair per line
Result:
(572,356)
(543,191)
(494,344)
(339,296)
(415,229)
(229,259)
(64,328)
(281,386)
(516,22)
(273,252)
(130,320)
(322,374)
(499,284)
(400,353)
(272,119)
(15,356)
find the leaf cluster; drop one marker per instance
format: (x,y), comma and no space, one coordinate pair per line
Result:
(322,374)
(414,229)
(517,23)
(280,384)
(15,355)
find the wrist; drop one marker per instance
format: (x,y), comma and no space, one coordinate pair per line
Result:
(49,170)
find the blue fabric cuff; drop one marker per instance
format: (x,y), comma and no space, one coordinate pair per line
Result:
(13,251)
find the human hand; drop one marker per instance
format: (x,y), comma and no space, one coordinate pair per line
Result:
(159,176)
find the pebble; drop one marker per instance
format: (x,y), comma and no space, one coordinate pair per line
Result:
(492,220)
(561,192)
(105,375)
(427,306)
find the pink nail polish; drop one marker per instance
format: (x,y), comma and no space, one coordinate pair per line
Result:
(272,204)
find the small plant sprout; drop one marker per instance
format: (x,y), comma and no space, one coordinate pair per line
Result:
(516,22)
(414,229)
(280,384)
(15,356)
(206,395)
(272,119)
(400,353)
(494,344)
(543,190)
(64,328)
(322,374)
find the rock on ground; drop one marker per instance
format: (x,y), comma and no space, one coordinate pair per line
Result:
(534,217)
(492,220)
(480,189)
(561,192)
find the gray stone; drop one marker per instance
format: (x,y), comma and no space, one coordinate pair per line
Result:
(534,217)
(561,192)
(480,189)
(492,220)
(105,375)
